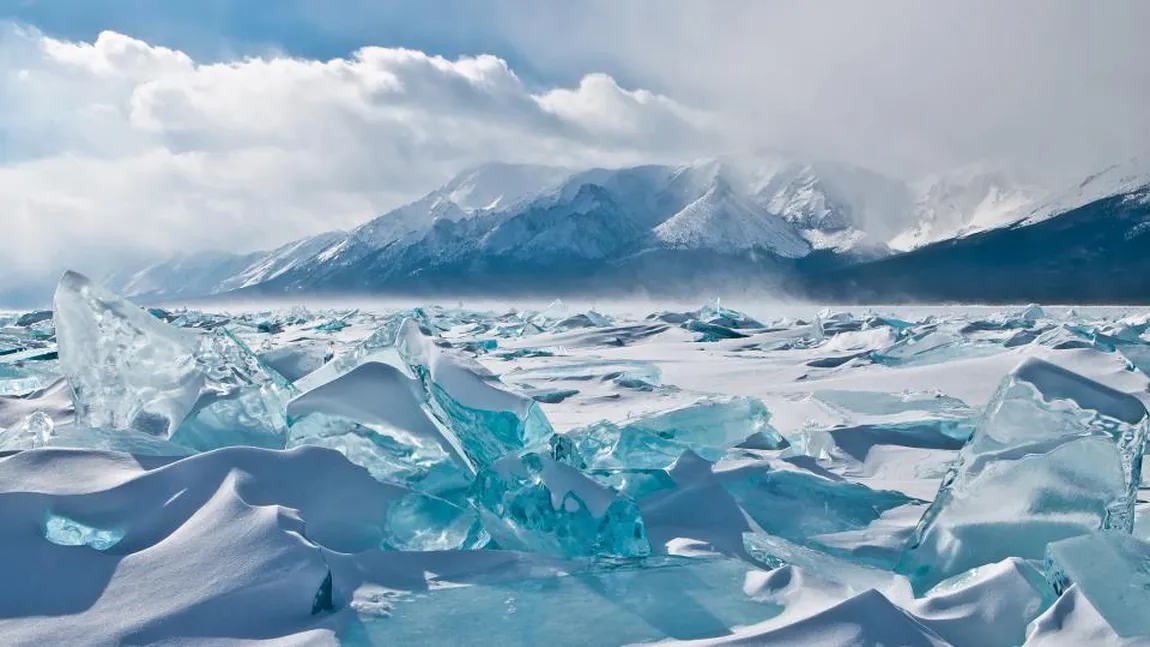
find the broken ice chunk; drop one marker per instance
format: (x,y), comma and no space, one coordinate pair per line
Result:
(708,427)
(62,531)
(531,502)
(242,401)
(485,421)
(418,522)
(32,432)
(126,368)
(389,454)
(589,319)
(1055,455)
(374,415)
(1112,569)
(712,332)
(129,370)
(879,403)
(714,313)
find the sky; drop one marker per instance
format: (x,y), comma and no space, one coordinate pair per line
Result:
(138,128)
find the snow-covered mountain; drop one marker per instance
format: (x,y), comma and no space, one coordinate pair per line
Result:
(835,206)
(506,226)
(724,221)
(961,203)
(1128,178)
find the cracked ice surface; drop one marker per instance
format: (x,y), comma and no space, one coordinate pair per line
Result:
(571,475)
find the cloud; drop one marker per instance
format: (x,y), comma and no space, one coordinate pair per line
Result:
(1046,87)
(117,148)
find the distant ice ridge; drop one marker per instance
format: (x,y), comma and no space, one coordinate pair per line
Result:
(699,475)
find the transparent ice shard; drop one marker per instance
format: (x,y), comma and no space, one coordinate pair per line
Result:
(332,325)
(34,431)
(242,401)
(126,368)
(129,370)
(1112,569)
(389,454)
(1031,314)
(637,484)
(532,502)
(486,422)
(63,531)
(418,522)
(708,427)
(1056,455)
(376,417)
(1070,337)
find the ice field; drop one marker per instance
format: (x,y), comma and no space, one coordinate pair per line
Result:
(570,476)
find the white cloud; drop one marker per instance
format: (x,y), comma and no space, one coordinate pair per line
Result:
(119,147)
(1052,88)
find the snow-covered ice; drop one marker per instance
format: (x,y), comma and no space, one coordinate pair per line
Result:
(570,475)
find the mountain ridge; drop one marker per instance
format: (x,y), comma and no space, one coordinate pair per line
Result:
(509,228)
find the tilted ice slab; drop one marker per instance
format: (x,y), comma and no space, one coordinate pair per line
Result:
(486,421)
(1055,455)
(375,416)
(1112,570)
(708,427)
(796,500)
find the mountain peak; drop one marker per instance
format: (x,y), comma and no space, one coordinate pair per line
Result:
(498,185)
(721,220)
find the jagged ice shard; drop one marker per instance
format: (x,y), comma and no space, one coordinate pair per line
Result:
(34,431)
(531,502)
(486,422)
(126,368)
(129,370)
(708,427)
(374,415)
(1056,455)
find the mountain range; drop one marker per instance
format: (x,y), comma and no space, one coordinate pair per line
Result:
(807,229)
